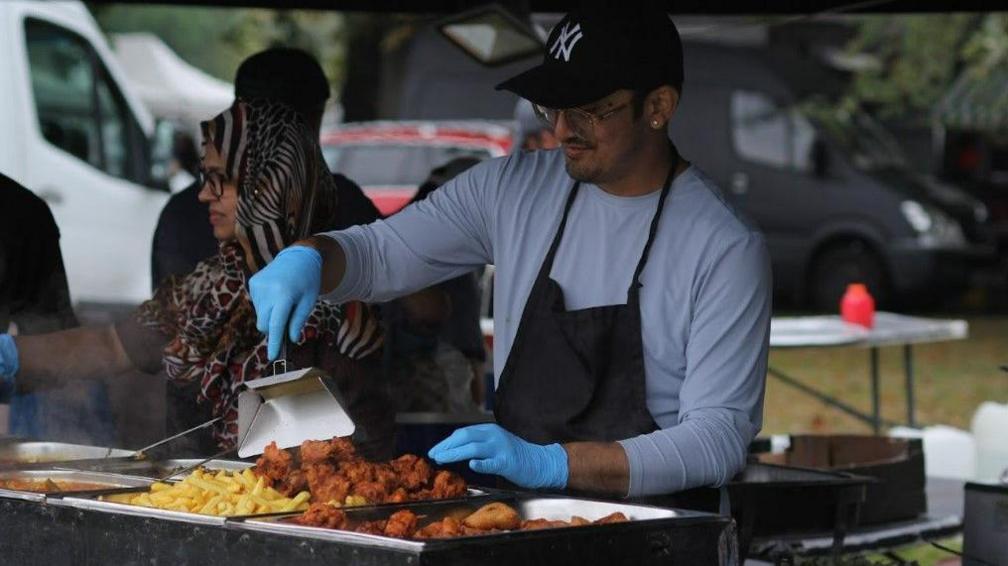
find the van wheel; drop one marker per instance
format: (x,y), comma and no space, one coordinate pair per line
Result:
(839,265)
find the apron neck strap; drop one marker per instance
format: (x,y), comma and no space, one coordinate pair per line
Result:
(548,262)
(547,265)
(656,218)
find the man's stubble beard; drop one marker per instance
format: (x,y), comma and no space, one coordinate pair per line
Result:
(583,172)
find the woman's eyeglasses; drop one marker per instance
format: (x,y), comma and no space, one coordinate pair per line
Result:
(214,180)
(581,121)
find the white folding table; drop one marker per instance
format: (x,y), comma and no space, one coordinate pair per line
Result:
(889,330)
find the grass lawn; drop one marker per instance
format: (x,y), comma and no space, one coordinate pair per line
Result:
(952,379)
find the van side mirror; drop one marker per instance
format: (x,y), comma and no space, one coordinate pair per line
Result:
(819,156)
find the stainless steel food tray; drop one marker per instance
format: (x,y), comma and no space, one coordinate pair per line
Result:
(153,468)
(20,453)
(93,502)
(110,481)
(552,508)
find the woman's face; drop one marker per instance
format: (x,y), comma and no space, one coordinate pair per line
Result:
(220,193)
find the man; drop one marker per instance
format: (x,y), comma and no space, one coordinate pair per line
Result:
(632,303)
(183,236)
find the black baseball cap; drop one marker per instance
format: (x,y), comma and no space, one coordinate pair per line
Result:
(595,51)
(284,74)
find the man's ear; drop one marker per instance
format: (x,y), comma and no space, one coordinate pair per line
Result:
(661,104)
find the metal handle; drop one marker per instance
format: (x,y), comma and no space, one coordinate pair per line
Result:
(283,357)
(187,469)
(140,454)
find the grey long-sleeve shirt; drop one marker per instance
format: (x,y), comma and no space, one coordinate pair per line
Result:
(705,300)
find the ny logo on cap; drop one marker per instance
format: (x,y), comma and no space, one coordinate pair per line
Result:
(565,42)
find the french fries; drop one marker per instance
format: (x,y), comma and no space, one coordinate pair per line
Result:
(349,501)
(222,494)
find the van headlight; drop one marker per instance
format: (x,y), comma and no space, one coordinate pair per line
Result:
(935,228)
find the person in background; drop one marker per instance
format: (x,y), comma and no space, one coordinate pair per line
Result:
(34,295)
(34,299)
(292,76)
(530,132)
(438,367)
(184,166)
(265,182)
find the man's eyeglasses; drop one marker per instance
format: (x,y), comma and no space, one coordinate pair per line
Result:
(581,121)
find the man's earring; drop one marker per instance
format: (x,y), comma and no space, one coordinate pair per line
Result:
(655,124)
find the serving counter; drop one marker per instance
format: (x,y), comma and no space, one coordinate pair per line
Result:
(84,527)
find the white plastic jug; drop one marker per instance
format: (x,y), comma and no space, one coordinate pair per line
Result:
(990,430)
(948,452)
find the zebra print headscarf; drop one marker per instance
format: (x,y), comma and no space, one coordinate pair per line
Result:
(284,192)
(284,188)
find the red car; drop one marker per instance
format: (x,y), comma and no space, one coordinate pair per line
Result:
(390,160)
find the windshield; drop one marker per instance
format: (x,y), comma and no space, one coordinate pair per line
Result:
(868,145)
(393,165)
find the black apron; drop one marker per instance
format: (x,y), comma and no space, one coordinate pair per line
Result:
(577,375)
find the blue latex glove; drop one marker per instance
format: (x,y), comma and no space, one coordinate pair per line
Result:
(492,450)
(9,365)
(284,294)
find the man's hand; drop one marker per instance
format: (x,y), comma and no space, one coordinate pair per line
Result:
(284,294)
(492,450)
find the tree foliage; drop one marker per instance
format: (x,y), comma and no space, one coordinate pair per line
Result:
(919,57)
(216,40)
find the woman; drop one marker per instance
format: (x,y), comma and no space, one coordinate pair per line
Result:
(266,185)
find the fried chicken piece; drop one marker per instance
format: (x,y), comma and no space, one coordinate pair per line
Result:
(494,515)
(322,515)
(537,524)
(356,472)
(616,517)
(445,528)
(295,482)
(400,495)
(448,485)
(402,524)
(387,476)
(471,532)
(372,527)
(412,471)
(325,484)
(274,465)
(373,491)
(316,452)
(343,449)
(333,451)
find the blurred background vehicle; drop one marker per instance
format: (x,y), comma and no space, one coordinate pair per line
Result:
(75,133)
(172,89)
(390,159)
(830,188)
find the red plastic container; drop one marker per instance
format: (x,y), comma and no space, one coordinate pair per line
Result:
(857,306)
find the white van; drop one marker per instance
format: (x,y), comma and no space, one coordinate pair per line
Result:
(72,132)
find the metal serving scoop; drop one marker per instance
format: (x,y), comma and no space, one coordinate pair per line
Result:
(290,407)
